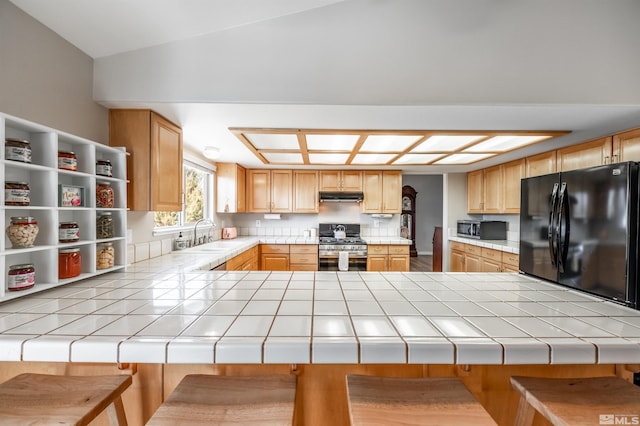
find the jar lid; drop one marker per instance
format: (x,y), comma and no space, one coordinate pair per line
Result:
(16,183)
(23,219)
(16,140)
(104,183)
(68,223)
(67,152)
(70,250)
(23,266)
(103,161)
(105,244)
(105,214)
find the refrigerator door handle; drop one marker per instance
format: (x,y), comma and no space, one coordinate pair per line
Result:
(551,230)
(563,219)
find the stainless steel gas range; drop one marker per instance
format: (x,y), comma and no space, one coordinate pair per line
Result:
(341,238)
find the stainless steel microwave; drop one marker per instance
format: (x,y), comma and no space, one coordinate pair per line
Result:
(482,229)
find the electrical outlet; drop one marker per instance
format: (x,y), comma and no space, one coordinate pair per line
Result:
(258,224)
(376,223)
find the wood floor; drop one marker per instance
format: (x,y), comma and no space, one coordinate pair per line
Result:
(421,263)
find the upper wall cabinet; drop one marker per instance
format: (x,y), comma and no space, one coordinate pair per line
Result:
(588,154)
(495,189)
(382,191)
(341,180)
(230,188)
(626,146)
(154,169)
(475,191)
(541,164)
(305,191)
(269,191)
(512,173)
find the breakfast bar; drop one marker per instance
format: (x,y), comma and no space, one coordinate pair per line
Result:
(171,316)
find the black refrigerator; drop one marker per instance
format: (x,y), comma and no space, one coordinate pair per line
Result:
(580,229)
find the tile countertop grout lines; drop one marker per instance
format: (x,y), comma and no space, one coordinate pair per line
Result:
(161,312)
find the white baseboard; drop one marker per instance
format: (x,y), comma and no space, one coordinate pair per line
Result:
(425,253)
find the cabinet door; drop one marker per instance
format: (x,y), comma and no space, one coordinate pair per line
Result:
(457,261)
(392,191)
(513,172)
(377,263)
(475,191)
(372,187)
(230,188)
(275,262)
(472,263)
(258,191)
(541,164)
(490,265)
(330,180)
(626,146)
(305,191)
(493,190)
(281,191)
(398,263)
(166,165)
(588,154)
(351,180)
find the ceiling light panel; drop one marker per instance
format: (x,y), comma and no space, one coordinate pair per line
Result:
(273,140)
(372,158)
(418,158)
(328,158)
(388,143)
(331,142)
(446,143)
(283,158)
(505,143)
(463,158)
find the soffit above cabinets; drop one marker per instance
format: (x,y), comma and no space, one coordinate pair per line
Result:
(323,147)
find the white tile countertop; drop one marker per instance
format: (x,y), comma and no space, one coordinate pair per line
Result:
(502,245)
(166,310)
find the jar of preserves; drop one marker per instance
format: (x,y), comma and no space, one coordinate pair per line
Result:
(103,168)
(104,195)
(22,231)
(69,263)
(21,277)
(67,160)
(17,150)
(104,226)
(68,232)
(17,194)
(105,256)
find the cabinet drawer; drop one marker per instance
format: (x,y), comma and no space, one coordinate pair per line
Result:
(492,254)
(377,249)
(275,248)
(403,249)
(303,248)
(300,267)
(473,249)
(511,259)
(455,245)
(302,258)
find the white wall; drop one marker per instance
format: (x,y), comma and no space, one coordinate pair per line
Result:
(45,79)
(454,208)
(428,208)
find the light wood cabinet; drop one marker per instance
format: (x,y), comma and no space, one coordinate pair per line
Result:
(493,190)
(471,258)
(541,164)
(383,258)
(382,191)
(475,191)
(274,257)
(341,180)
(626,146)
(245,261)
(269,191)
(513,172)
(230,188)
(588,154)
(154,169)
(303,257)
(305,191)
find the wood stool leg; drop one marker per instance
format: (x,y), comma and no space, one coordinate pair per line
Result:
(525,414)
(116,412)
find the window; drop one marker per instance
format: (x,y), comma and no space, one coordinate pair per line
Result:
(198,198)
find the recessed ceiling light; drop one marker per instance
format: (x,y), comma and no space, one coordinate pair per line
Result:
(372,158)
(335,142)
(283,158)
(211,152)
(328,158)
(417,158)
(273,140)
(388,143)
(505,143)
(463,158)
(446,143)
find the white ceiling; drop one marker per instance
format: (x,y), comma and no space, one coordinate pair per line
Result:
(362,64)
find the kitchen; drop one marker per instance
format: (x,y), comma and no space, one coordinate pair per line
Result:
(64,98)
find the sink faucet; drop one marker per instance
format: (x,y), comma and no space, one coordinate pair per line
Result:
(195,229)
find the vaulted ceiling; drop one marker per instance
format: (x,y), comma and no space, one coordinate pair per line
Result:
(378,65)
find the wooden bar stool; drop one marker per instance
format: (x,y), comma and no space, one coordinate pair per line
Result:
(201,399)
(593,400)
(44,399)
(413,401)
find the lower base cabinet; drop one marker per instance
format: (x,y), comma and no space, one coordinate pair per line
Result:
(274,257)
(471,258)
(303,257)
(245,261)
(384,258)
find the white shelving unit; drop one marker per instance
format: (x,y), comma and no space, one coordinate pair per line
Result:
(44,178)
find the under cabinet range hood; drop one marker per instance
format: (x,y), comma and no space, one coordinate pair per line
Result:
(341,197)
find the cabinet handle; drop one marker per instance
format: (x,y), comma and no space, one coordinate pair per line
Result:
(615,158)
(606,160)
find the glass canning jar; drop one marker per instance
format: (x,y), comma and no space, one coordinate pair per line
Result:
(22,231)
(104,226)
(104,195)
(69,263)
(105,256)
(17,150)
(21,277)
